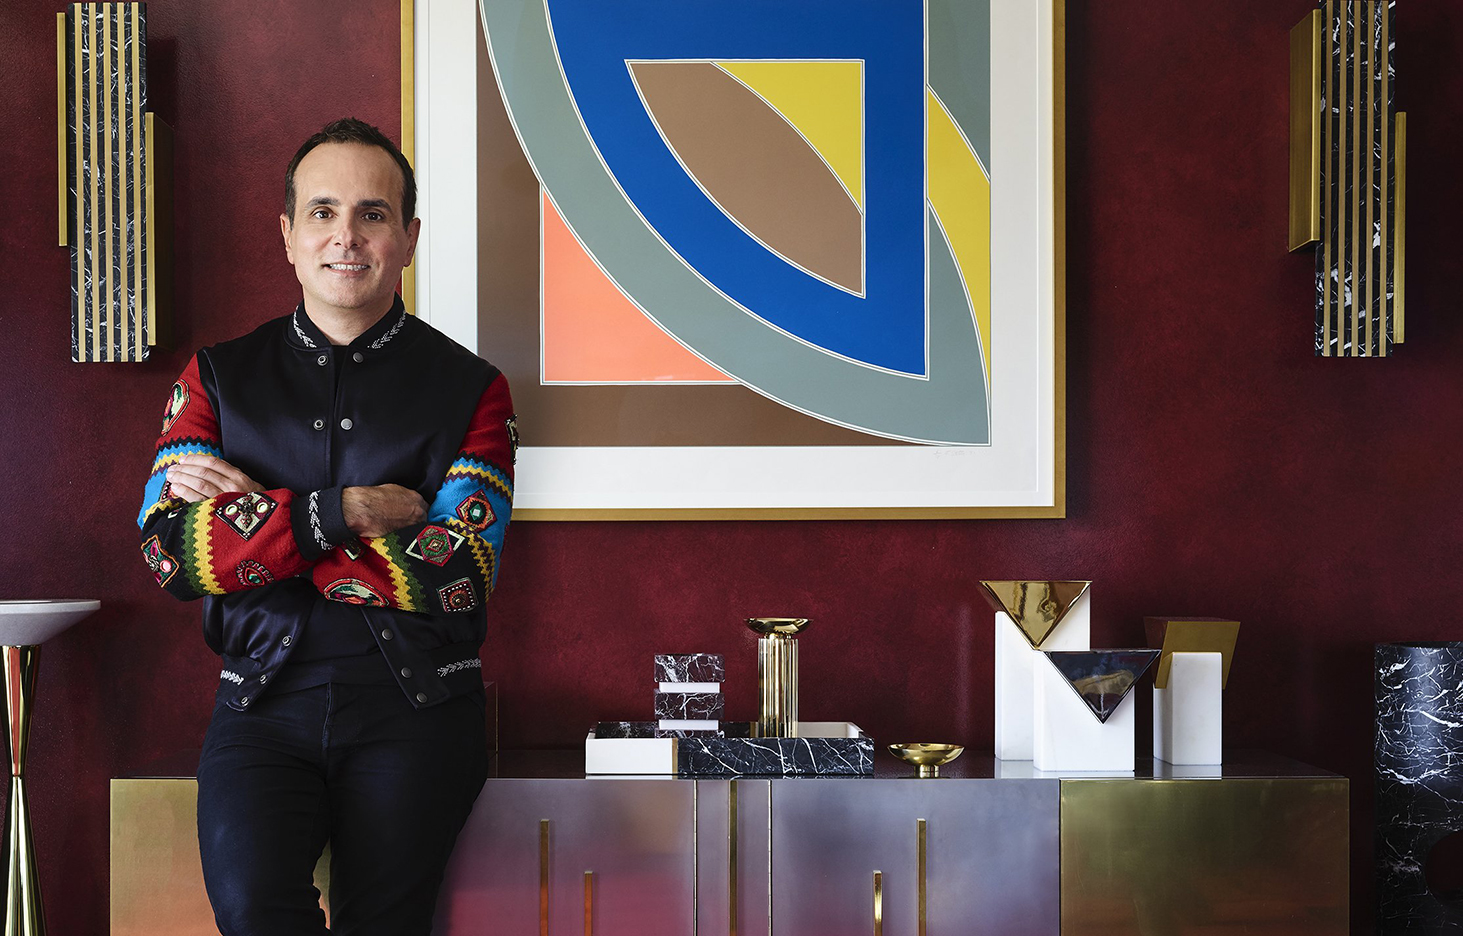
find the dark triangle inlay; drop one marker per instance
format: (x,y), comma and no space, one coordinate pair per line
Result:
(1102,678)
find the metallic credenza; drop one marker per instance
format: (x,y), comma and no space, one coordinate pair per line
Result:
(1259,848)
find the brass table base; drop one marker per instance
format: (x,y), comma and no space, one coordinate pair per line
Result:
(24,915)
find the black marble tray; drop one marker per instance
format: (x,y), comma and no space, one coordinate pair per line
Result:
(825,749)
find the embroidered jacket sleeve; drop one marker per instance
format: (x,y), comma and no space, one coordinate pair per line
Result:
(449,562)
(230,542)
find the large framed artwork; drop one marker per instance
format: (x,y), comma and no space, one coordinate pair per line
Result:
(774,258)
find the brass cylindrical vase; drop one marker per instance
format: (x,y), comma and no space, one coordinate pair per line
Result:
(777,675)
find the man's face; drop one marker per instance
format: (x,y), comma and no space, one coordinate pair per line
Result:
(348,242)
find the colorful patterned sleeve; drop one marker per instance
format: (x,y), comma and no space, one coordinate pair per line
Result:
(449,562)
(226,543)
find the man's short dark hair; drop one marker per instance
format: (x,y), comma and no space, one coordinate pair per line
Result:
(351,130)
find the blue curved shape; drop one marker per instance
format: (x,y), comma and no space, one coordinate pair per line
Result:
(886,329)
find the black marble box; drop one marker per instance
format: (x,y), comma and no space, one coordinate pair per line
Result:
(649,729)
(827,749)
(690,706)
(690,668)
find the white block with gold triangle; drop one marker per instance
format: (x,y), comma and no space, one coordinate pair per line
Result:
(1016,660)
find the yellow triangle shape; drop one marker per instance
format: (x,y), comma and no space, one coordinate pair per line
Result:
(1035,607)
(824,101)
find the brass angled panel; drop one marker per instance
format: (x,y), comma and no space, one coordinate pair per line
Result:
(1399,305)
(1190,635)
(1305,131)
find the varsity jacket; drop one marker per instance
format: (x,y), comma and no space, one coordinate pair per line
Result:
(410,407)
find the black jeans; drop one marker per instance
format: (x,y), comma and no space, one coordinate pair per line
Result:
(388,785)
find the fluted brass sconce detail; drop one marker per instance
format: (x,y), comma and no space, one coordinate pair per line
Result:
(1348,174)
(113,169)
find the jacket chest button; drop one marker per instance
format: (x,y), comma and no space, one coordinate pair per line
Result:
(422,697)
(346,423)
(322,360)
(358,357)
(406,672)
(319,424)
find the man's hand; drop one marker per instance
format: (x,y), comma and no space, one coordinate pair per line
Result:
(381,509)
(199,477)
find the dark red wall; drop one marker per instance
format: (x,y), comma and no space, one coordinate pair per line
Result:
(1214,466)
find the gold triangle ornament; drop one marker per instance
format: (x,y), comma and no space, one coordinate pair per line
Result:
(1036,608)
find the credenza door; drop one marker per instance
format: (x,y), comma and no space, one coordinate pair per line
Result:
(613,857)
(985,854)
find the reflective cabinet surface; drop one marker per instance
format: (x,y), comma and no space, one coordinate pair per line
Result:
(905,857)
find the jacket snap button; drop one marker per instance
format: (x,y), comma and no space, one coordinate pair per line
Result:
(346,423)
(286,640)
(321,360)
(406,672)
(386,634)
(264,678)
(421,697)
(319,424)
(358,357)
(244,701)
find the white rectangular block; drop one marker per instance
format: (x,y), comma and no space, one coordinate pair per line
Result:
(1015,661)
(1068,737)
(1188,716)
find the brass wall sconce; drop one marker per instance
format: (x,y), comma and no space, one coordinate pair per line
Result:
(1348,174)
(114,169)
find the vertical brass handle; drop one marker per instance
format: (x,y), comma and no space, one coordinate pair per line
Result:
(589,903)
(878,903)
(543,877)
(920,831)
(731,852)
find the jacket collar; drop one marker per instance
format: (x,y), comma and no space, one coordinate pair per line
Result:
(303,333)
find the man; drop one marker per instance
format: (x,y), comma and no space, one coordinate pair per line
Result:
(337,483)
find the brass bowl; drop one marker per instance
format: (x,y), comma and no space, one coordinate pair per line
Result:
(927,757)
(769,625)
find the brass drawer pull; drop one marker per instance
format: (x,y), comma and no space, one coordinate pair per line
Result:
(543,877)
(878,903)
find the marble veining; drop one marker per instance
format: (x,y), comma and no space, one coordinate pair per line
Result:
(1419,780)
(690,667)
(776,757)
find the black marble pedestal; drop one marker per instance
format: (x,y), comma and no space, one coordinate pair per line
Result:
(1419,764)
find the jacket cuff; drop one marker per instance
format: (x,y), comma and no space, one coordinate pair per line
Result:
(319,522)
